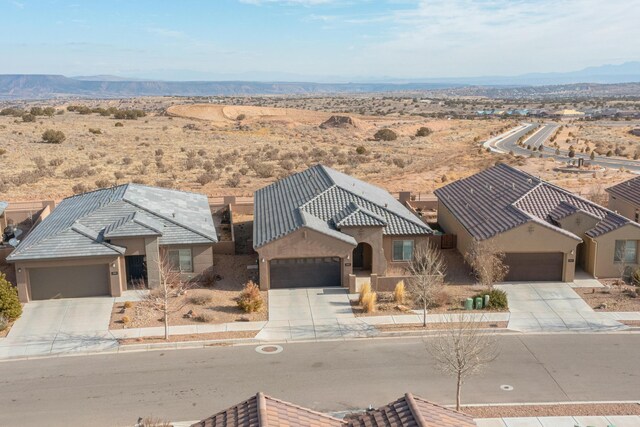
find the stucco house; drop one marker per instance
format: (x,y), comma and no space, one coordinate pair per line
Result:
(109,240)
(318,226)
(624,198)
(546,232)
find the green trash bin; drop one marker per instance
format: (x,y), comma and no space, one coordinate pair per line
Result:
(485,303)
(468,304)
(478,303)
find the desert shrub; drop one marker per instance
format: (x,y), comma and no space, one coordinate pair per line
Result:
(361,150)
(263,170)
(497,299)
(128,304)
(635,277)
(3,151)
(205,178)
(250,299)
(286,164)
(28,117)
(201,299)
(49,111)
(79,171)
(128,114)
(4,323)
(159,152)
(39,162)
(369,301)
(56,162)
(241,117)
(95,131)
(51,136)
(14,112)
(385,135)
(399,293)
(203,317)
(423,131)
(441,298)
(364,289)
(118,175)
(119,125)
(10,306)
(127,160)
(80,188)
(126,320)
(103,183)
(234,180)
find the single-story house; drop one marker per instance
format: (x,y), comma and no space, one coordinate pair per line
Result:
(624,198)
(318,226)
(409,411)
(109,240)
(545,231)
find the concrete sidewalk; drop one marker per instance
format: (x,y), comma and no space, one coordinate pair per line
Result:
(604,421)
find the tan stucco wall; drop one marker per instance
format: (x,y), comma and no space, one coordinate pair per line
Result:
(604,266)
(373,237)
(623,207)
(530,237)
(578,223)
(134,245)
(387,245)
(117,281)
(201,258)
(304,243)
(152,252)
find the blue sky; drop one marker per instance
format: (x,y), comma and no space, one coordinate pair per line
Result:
(314,39)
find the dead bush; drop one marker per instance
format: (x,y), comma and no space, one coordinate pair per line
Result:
(80,188)
(201,299)
(441,298)
(79,171)
(250,299)
(399,294)
(364,289)
(103,183)
(369,301)
(203,317)
(56,162)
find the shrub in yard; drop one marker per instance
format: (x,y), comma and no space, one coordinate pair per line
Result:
(364,289)
(200,299)
(385,135)
(369,301)
(497,299)
(51,136)
(399,293)
(203,317)
(250,299)
(10,306)
(441,298)
(635,277)
(128,304)
(4,323)
(126,320)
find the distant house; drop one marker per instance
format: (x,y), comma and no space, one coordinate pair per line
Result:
(408,411)
(567,113)
(109,240)
(545,231)
(624,198)
(316,227)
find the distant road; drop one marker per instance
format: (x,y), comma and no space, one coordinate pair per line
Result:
(115,389)
(508,142)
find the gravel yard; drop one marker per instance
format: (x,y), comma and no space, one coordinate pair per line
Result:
(559,410)
(612,298)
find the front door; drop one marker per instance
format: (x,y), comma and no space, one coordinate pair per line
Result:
(136,271)
(358,256)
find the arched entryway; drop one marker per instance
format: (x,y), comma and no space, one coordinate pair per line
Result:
(362,256)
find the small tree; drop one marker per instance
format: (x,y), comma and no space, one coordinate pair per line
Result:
(487,262)
(622,262)
(51,136)
(10,307)
(427,272)
(164,297)
(462,349)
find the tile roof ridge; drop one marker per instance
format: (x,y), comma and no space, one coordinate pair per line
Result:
(262,409)
(413,407)
(173,221)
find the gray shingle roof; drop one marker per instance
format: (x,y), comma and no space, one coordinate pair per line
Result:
(501,198)
(330,197)
(82,225)
(628,190)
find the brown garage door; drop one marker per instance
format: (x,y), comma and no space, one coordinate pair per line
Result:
(69,282)
(542,267)
(305,272)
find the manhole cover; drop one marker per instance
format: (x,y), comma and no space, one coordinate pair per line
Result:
(269,349)
(506,387)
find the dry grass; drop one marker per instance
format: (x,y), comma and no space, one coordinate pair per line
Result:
(369,302)
(364,290)
(559,410)
(399,294)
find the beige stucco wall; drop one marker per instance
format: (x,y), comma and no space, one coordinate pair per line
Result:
(604,266)
(373,237)
(117,281)
(623,207)
(304,243)
(529,237)
(387,246)
(201,256)
(134,245)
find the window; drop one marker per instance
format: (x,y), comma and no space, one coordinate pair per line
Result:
(180,260)
(402,250)
(626,250)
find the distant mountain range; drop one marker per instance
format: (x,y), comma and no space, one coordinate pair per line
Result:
(42,86)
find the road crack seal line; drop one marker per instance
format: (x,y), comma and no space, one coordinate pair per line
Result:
(545,368)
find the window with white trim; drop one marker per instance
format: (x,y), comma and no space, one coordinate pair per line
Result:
(402,250)
(626,251)
(181,260)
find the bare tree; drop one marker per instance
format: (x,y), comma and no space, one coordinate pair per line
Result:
(462,349)
(427,269)
(487,262)
(622,263)
(598,195)
(165,297)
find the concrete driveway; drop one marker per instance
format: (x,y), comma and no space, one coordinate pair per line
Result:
(312,313)
(60,326)
(553,307)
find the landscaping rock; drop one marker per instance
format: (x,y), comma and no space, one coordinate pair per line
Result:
(189,314)
(602,306)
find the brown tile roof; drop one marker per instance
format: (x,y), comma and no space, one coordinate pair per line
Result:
(265,411)
(628,190)
(412,411)
(501,198)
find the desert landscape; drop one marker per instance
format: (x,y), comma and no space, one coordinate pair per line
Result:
(226,146)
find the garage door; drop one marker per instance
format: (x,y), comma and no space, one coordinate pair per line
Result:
(543,267)
(69,282)
(305,272)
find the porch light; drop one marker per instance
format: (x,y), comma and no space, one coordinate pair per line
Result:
(19,270)
(113,265)
(571,251)
(262,259)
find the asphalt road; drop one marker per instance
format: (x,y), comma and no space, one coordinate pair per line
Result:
(510,143)
(110,390)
